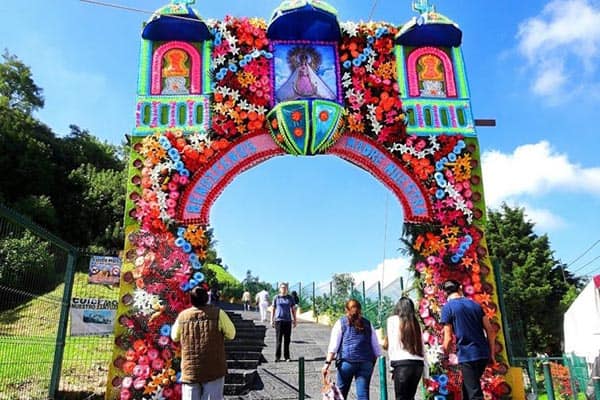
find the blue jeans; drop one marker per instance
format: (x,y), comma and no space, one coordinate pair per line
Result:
(361,371)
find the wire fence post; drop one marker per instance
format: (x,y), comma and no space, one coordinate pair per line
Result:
(382,379)
(548,380)
(331,293)
(301,391)
(300,289)
(401,286)
(364,292)
(531,369)
(379,303)
(62,326)
(314,304)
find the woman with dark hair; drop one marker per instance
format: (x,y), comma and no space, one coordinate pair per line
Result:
(354,344)
(405,349)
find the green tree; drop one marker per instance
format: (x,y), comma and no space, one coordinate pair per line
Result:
(17,88)
(535,290)
(95,213)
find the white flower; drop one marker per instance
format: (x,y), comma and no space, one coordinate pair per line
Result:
(143,301)
(218,60)
(433,354)
(346,80)
(350,28)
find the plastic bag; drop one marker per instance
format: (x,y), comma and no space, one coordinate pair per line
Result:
(330,391)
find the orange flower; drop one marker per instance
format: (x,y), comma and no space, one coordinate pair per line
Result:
(323,116)
(296,116)
(298,132)
(274,123)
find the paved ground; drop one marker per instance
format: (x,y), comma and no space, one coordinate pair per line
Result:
(280,380)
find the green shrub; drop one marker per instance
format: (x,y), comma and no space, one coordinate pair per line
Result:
(26,263)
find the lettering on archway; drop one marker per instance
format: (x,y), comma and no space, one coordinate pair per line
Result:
(208,183)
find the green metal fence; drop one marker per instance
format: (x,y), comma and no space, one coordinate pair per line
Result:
(39,274)
(553,378)
(325,299)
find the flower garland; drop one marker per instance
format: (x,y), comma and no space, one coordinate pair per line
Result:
(451,248)
(369,83)
(166,260)
(241,66)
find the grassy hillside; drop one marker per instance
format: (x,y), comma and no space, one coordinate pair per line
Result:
(28,342)
(223,276)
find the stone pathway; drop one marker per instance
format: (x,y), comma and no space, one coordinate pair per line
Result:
(280,380)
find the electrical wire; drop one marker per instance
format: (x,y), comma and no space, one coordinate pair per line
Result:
(583,254)
(132,9)
(372,10)
(585,265)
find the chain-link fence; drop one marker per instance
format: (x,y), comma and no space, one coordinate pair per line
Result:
(40,275)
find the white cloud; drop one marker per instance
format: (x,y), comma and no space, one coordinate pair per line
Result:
(544,219)
(534,169)
(387,272)
(566,31)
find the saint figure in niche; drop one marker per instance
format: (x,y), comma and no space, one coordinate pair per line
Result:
(175,72)
(304,81)
(431,76)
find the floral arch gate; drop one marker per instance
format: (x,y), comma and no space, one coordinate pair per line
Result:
(216,98)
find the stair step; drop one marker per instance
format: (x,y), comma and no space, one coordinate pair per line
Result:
(244,355)
(237,376)
(235,389)
(242,364)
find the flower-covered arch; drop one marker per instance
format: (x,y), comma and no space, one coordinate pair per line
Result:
(177,171)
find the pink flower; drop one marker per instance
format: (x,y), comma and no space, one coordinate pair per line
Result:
(469,290)
(125,394)
(127,381)
(163,341)
(153,353)
(170,393)
(166,354)
(158,364)
(139,383)
(452,359)
(143,360)
(420,267)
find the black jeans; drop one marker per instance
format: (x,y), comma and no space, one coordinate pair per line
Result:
(471,372)
(406,374)
(283,329)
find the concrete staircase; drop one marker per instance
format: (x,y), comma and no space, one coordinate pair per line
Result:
(244,354)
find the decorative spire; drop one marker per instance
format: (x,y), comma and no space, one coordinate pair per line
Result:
(183,2)
(422,6)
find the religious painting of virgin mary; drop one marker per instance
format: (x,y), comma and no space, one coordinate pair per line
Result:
(305,71)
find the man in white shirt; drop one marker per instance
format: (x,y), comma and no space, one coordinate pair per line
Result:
(262,299)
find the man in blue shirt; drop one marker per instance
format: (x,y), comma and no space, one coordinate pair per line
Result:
(465,319)
(282,318)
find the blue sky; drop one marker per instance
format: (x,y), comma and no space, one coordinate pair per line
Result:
(532,65)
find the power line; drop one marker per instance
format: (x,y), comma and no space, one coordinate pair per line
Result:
(586,264)
(372,9)
(132,9)
(583,254)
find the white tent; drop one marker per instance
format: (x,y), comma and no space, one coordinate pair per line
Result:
(582,323)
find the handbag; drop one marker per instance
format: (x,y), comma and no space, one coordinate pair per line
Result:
(330,390)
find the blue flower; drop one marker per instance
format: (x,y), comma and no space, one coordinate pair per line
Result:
(179,242)
(356,62)
(451,157)
(193,257)
(440,194)
(184,172)
(199,276)
(442,379)
(347,64)
(268,55)
(187,247)
(196,265)
(233,67)
(165,330)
